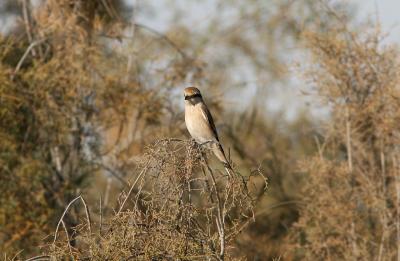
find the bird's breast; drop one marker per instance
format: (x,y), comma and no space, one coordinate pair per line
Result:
(197,125)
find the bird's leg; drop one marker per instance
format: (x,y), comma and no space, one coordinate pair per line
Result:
(227,165)
(193,143)
(197,146)
(205,143)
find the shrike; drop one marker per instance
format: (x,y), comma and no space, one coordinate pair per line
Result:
(200,124)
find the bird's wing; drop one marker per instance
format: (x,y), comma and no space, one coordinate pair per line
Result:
(207,115)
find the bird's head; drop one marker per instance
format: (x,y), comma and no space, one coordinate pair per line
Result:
(191,93)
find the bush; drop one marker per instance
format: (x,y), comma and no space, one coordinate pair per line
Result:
(177,207)
(351,198)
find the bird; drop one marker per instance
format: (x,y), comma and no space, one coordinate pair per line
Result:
(200,124)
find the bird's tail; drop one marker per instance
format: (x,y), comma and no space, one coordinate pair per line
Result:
(220,154)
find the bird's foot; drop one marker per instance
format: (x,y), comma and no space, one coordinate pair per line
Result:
(227,165)
(206,142)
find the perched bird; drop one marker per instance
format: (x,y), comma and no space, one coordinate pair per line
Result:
(200,124)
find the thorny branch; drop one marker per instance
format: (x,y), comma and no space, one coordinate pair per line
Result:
(179,219)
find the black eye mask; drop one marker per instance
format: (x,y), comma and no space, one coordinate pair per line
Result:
(192,96)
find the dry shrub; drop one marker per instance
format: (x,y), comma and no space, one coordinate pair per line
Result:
(178,207)
(64,92)
(84,91)
(351,198)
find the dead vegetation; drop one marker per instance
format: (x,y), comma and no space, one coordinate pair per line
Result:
(88,98)
(177,207)
(352,193)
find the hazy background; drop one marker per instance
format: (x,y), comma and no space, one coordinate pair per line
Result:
(304,93)
(196,15)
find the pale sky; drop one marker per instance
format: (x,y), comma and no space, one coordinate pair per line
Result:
(388,15)
(385,11)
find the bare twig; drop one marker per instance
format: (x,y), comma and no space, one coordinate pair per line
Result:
(113,172)
(397,192)
(15,256)
(27,22)
(87,214)
(61,221)
(144,170)
(163,37)
(101,217)
(220,219)
(21,61)
(348,140)
(67,235)
(39,258)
